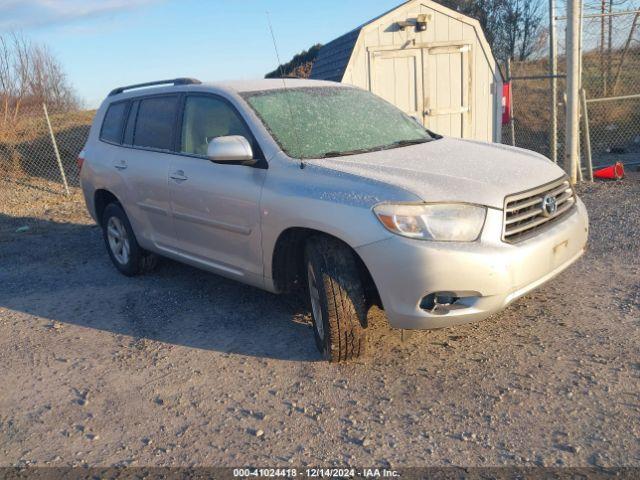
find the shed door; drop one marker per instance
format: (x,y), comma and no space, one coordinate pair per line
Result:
(397,77)
(447,90)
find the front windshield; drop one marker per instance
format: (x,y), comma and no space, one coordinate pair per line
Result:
(320,122)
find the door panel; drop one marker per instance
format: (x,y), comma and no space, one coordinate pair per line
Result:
(150,125)
(447,90)
(146,179)
(396,76)
(216,213)
(431,84)
(216,207)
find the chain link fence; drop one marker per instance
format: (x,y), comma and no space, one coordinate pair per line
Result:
(39,147)
(532,111)
(611,88)
(42,153)
(610,65)
(614,127)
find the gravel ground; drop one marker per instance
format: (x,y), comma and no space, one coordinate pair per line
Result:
(185,368)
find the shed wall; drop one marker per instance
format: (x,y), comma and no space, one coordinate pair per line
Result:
(445,32)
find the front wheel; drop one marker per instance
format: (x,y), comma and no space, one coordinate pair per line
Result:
(337,299)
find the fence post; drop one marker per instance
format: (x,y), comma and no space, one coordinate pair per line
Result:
(587,134)
(512,125)
(55,149)
(553,67)
(573,89)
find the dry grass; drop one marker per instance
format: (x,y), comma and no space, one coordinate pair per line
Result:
(26,148)
(614,126)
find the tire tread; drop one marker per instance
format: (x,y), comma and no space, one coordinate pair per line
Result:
(345,300)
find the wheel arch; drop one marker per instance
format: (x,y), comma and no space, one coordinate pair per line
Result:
(287,265)
(101,198)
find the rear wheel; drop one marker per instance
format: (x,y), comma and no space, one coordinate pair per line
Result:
(124,251)
(337,299)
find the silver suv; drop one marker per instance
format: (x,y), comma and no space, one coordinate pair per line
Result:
(328,189)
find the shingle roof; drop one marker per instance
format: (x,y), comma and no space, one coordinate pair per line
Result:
(333,58)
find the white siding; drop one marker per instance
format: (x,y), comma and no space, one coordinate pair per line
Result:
(451,80)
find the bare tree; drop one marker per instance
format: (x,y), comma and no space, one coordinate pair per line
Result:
(22,51)
(530,29)
(8,81)
(487,12)
(29,75)
(512,27)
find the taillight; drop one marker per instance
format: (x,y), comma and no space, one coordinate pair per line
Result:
(80,160)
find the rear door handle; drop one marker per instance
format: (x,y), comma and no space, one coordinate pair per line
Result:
(178,175)
(120,164)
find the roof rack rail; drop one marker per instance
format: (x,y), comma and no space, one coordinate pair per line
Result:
(175,81)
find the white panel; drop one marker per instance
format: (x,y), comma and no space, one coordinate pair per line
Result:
(447,108)
(396,77)
(449,80)
(455,30)
(457,95)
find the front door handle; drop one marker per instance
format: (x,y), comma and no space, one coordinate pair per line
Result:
(120,164)
(178,176)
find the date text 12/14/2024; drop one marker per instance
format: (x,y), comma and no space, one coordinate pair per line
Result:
(315,473)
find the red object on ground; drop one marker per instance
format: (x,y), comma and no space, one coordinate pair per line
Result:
(506,103)
(80,160)
(614,172)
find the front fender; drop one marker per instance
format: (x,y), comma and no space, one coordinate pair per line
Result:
(324,200)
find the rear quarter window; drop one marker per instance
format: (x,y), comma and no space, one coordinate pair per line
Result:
(113,123)
(156,122)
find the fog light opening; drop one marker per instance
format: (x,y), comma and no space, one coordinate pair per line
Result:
(438,302)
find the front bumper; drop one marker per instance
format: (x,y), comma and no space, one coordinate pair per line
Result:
(487,275)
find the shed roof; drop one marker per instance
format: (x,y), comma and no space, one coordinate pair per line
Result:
(334,57)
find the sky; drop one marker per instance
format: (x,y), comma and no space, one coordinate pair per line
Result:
(103,44)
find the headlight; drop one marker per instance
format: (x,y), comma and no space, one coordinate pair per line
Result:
(440,222)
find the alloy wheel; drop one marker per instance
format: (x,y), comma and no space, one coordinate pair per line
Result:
(118,240)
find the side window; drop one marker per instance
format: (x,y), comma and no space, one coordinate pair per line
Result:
(206,118)
(130,127)
(155,124)
(113,122)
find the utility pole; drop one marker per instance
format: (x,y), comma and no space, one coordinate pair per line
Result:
(610,33)
(512,121)
(603,70)
(553,70)
(572,149)
(580,46)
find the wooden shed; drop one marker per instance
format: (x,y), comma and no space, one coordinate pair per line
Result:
(432,62)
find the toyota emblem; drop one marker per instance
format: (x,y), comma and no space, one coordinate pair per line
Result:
(549,205)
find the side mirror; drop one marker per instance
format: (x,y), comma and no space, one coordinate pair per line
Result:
(233,148)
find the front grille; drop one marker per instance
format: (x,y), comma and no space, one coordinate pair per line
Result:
(525,215)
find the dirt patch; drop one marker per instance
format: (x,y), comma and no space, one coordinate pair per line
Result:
(181,367)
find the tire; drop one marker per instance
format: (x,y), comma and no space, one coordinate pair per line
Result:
(125,253)
(336,298)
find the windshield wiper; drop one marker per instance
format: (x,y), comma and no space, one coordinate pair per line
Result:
(398,144)
(405,143)
(347,152)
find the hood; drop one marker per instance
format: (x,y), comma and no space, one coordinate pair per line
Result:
(452,170)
